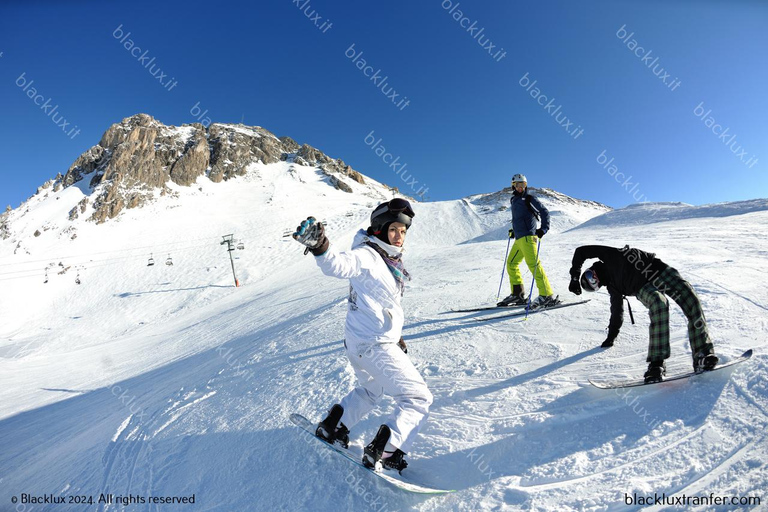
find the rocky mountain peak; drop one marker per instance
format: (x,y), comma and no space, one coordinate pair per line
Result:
(140,155)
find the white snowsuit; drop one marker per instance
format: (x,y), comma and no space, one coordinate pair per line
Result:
(373,327)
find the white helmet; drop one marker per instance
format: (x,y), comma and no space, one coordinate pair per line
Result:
(518,178)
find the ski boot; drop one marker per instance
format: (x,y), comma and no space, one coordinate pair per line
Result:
(656,372)
(704,362)
(516,298)
(543,301)
(331,431)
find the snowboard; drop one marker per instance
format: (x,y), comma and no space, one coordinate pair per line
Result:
(309,427)
(617,384)
(522,312)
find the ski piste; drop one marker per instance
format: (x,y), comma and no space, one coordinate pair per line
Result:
(540,309)
(618,384)
(308,427)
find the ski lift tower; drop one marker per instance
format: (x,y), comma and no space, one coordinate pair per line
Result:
(230,241)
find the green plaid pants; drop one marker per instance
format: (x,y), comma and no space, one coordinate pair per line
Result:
(652,296)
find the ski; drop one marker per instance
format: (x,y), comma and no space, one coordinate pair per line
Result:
(486,308)
(309,428)
(618,384)
(532,311)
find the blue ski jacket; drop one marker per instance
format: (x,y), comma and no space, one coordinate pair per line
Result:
(524,218)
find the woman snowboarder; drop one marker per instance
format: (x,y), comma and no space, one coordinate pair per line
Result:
(373,341)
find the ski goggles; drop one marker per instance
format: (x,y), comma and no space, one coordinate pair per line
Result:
(395,206)
(516,183)
(589,280)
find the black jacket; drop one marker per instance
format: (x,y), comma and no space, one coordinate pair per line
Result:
(623,272)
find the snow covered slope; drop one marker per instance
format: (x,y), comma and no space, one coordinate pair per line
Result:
(169,381)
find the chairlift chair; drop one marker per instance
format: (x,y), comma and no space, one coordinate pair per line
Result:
(241,246)
(46,276)
(77,279)
(151,261)
(169,261)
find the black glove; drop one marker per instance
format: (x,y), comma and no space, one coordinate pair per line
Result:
(312,234)
(540,233)
(402,346)
(574,286)
(511,233)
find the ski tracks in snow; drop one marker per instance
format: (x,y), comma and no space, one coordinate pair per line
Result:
(129,459)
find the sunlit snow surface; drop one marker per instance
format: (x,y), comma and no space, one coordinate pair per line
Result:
(169,381)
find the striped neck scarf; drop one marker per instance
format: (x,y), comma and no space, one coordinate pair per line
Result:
(395,265)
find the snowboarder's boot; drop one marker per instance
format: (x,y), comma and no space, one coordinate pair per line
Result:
(656,372)
(373,452)
(331,431)
(516,298)
(704,362)
(394,460)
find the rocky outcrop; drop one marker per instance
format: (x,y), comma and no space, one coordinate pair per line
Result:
(140,156)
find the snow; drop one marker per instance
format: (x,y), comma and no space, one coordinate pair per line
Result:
(169,381)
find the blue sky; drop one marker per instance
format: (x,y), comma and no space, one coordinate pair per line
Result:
(685,122)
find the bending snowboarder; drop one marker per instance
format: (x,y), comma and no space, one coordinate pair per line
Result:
(373,329)
(526,211)
(629,271)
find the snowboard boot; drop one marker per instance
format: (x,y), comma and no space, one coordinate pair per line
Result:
(394,460)
(656,372)
(374,451)
(516,298)
(331,431)
(704,362)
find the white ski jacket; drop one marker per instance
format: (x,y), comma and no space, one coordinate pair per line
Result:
(375,314)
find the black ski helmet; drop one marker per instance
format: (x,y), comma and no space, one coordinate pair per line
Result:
(396,210)
(590,279)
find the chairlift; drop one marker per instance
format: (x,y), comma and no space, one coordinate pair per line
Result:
(77,279)
(151,260)
(46,276)
(241,246)
(169,261)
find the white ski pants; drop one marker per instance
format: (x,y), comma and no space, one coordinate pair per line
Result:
(383,368)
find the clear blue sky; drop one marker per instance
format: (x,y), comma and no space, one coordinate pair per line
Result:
(460,119)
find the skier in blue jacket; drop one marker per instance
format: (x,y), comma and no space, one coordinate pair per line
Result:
(526,211)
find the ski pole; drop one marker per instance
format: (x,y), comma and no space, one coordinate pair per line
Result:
(530,293)
(503,268)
